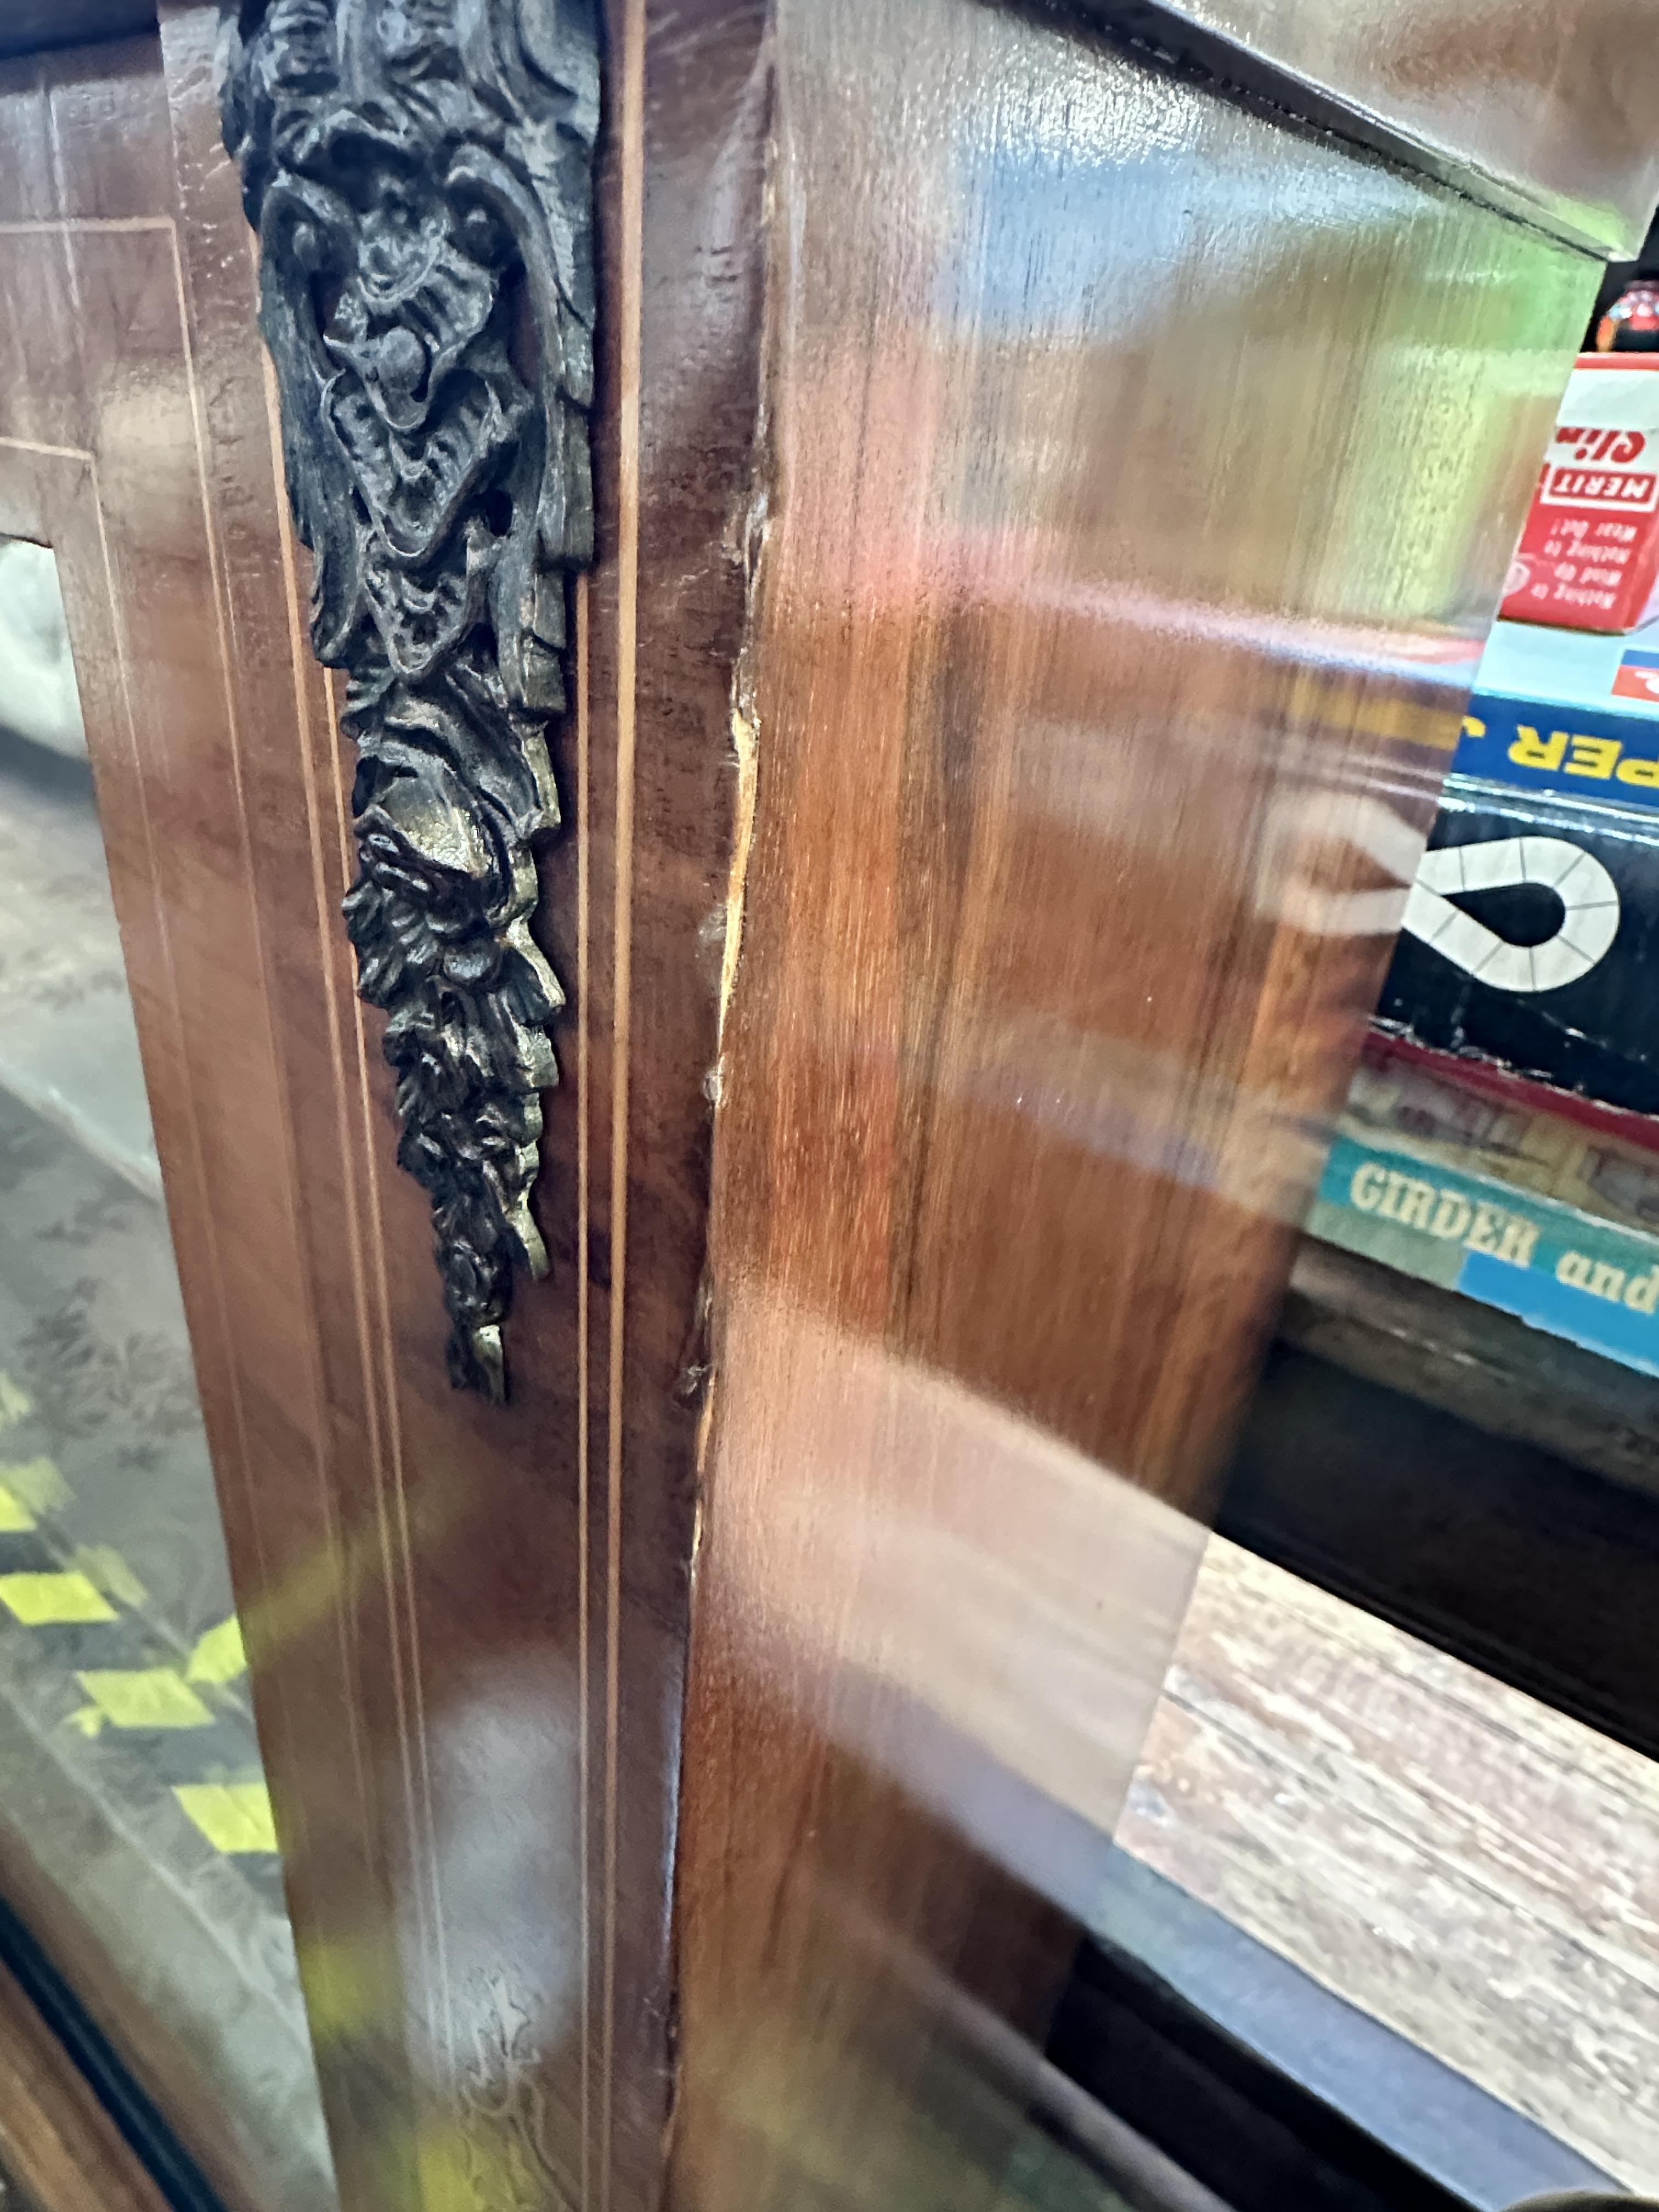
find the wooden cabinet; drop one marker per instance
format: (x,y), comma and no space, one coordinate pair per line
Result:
(1050,483)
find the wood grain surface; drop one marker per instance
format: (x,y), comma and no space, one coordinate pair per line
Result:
(1457,1860)
(466,1641)
(57,2144)
(1139,472)
(1060,503)
(101,456)
(468,1624)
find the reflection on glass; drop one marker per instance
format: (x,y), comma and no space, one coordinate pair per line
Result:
(132,1806)
(1329,1807)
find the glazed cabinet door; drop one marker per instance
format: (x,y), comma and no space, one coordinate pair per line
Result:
(759,682)
(1141,466)
(157,1326)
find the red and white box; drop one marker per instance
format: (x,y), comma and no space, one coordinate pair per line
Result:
(1590,554)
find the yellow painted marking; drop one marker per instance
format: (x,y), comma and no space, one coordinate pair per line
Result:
(16,1404)
(218,1656)
(39,1600)
(88,1720)
(103,1565)
(233,1816)
(146,1698)
(36,1484)
(14,1516)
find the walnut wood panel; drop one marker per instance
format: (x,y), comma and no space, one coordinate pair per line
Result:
(1141,472)
(1497,95)
(1081,582)
(57,2144)
(466,1624)
(99,456)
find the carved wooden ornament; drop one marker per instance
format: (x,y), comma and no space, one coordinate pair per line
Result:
(419,175)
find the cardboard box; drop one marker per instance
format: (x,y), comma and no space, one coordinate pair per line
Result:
(1568,712)
(1544,1206)
(1532,936)
(1590,553)
(1501,1137)
(1532,940)
(1472,1116)
(1552,1266)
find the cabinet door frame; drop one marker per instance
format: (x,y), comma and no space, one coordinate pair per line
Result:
(103,458)
(450,1605)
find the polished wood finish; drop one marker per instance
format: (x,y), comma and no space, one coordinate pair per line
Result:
(57,2142)
(101,456)
(1497,98)
(467,1643)
(1021,653)
(448,1608)
(1109,619)
(468,1623)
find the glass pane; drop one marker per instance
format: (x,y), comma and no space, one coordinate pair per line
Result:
(1395,1831)
(135,1831)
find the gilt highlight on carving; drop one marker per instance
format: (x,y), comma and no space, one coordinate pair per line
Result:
(418,174)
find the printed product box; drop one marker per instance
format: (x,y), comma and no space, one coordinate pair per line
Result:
(1563,711)
(1466,1115)
(1545,1206)
(1551,1265)
(1531,937)
(1532,940)
(1501,1136)
(1590,552)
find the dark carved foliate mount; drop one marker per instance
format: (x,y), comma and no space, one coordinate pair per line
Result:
(419,175)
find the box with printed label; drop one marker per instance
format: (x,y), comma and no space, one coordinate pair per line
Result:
(1483,1120)
(1531,939)
(1589,550)
(1564,711)
(1551,1265)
